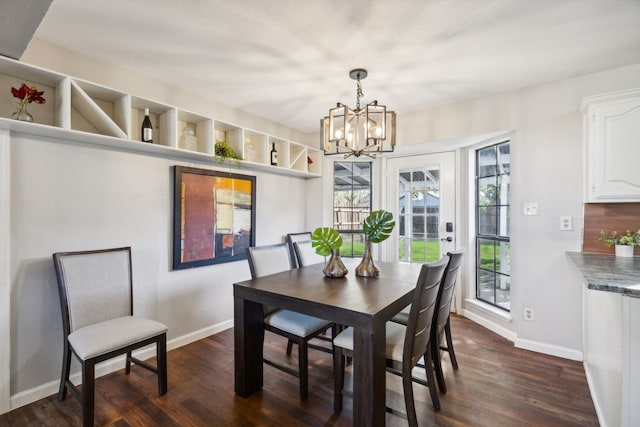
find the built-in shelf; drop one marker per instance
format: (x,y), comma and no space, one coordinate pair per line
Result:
(79,111)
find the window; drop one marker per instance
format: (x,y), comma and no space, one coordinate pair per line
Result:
(493,247)
(351,204)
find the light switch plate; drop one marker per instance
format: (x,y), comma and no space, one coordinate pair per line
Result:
(531,208)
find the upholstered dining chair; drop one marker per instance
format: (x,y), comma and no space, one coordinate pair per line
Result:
(96,297)
(298,328)
(296,237)
(306,254)
(441,326)
(405,345)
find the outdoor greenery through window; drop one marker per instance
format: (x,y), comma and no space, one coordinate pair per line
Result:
(351,204)
(493,247)
(419,214)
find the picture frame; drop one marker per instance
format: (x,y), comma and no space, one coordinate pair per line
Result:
(214,216)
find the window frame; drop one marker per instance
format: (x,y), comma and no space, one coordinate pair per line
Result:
(498,238)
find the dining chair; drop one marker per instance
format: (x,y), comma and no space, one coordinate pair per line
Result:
(96,297)
(405,345)
(298,328)
(296,237)
(441,324)
(306,254)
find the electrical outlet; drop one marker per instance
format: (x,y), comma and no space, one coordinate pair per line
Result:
(565,223)
(528,314)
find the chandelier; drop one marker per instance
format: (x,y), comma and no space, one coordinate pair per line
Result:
(362,131)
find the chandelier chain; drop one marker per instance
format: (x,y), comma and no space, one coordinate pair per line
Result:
(359,94)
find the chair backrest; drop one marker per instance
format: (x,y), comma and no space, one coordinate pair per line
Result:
(94,286)
(270,259)
(421,314)
(306,254)
(296,237)
(445,297)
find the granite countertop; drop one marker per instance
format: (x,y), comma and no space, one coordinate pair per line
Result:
(608,272)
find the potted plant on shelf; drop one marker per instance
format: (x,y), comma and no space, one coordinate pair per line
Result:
(224,151)
(327,242)
(377,227)
(623,242)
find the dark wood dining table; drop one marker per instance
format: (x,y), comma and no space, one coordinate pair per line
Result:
(366,304)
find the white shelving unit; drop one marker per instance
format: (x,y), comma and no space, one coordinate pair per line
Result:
(84,112)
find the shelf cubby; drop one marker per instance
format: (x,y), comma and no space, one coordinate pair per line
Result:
(163,117)
(255,147)
(100,110)
(230,133)
(202,128)
(282,147)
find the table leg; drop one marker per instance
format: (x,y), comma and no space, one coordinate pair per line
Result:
(248,341)
(369,388)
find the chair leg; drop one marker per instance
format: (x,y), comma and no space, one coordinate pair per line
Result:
(289,347)
(303,370)
(88,386)
(407,386)
(452,353)
(161,359)
(127,365)
(437,364)
(64,375)
(338,379)
(428,367)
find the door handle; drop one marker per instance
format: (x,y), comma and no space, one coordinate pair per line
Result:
(448,239)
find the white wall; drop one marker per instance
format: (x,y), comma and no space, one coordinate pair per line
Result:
(73,197)
(546,159)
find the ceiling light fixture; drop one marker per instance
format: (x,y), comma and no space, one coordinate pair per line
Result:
(362,131)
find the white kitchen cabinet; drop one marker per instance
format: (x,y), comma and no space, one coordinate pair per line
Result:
(612,147)
(611,344)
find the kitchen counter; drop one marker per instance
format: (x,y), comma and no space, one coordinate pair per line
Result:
(608,273)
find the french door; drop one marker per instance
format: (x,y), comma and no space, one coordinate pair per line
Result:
(421,196)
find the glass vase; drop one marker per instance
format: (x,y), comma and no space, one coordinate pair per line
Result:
(335,267)
(367,268)
(22,114)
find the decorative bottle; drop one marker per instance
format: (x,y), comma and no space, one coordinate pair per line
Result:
(147,129)
(274,155)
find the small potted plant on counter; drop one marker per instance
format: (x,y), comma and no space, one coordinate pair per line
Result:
(623,242)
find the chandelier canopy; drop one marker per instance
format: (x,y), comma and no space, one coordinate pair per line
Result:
(367,130)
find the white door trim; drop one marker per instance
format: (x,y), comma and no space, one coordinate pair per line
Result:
(5,273)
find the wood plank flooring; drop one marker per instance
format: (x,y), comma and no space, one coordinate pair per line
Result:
(496,385)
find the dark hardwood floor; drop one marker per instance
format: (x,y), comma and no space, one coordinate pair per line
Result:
(496,385)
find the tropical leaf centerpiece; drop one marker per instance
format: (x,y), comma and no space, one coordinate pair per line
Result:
(377,227)
(327,241)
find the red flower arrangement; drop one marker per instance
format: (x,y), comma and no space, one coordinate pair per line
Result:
(27,95)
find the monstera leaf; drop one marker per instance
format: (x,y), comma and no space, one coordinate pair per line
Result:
(324,239)
(378,226)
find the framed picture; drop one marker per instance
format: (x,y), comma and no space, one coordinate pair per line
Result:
(214,216)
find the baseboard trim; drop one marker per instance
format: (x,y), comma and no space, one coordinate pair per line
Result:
(44,390)
(492,326)
(550,349)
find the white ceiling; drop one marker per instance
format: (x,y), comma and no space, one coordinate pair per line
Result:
(288,60)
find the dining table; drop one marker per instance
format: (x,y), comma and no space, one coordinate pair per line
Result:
(364,303)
